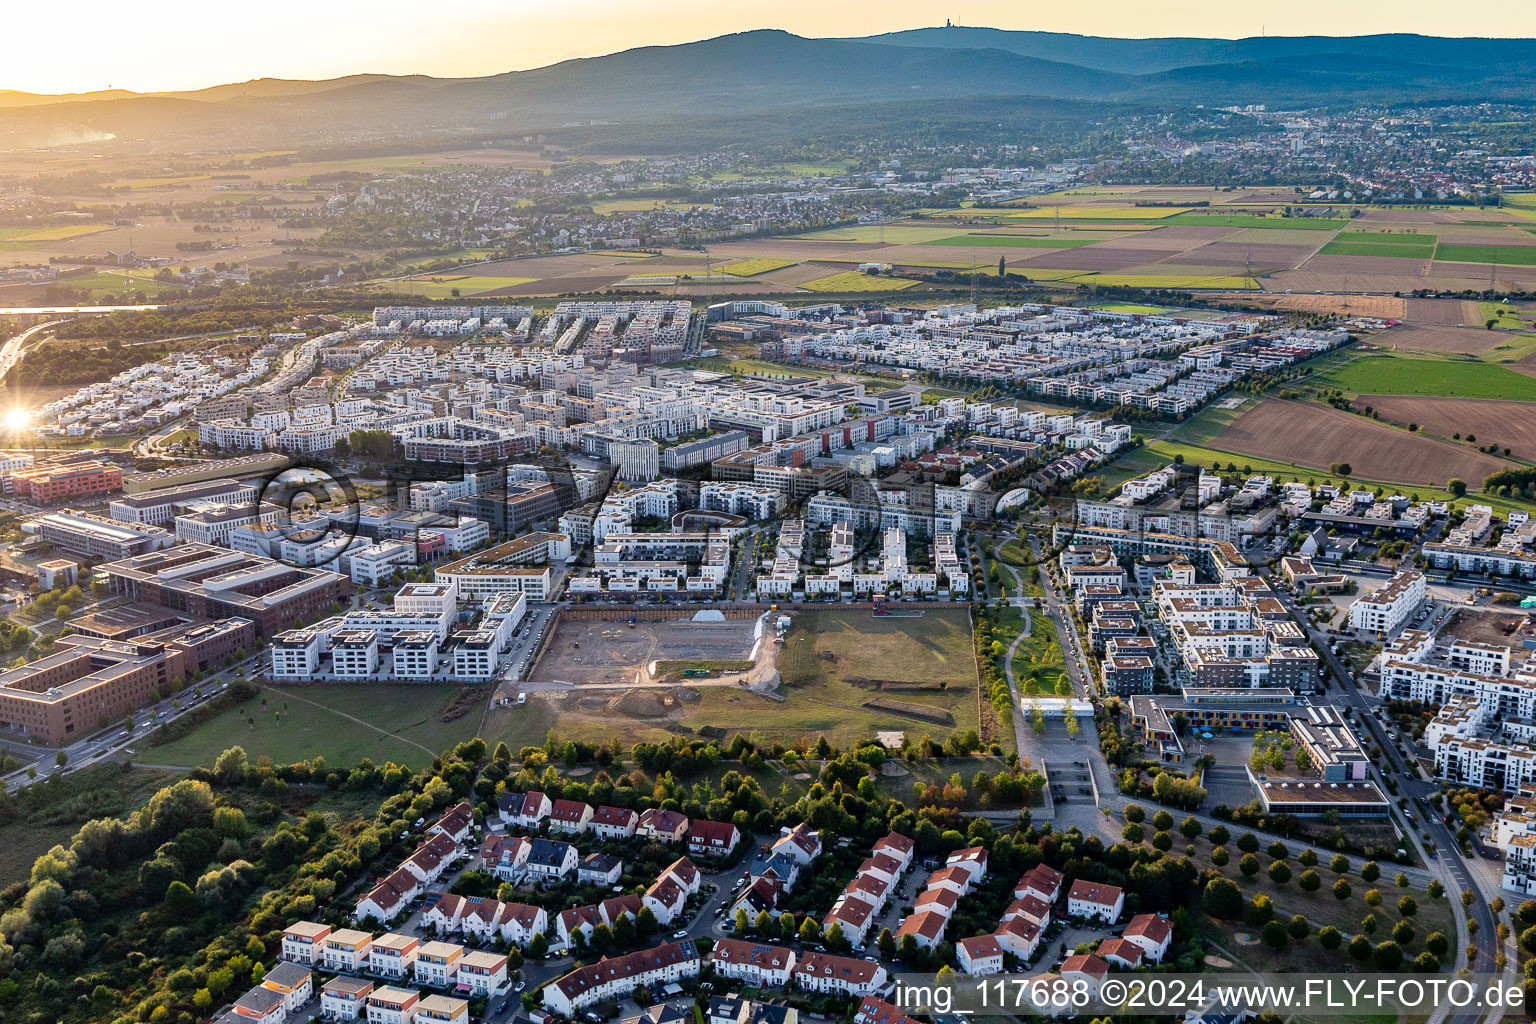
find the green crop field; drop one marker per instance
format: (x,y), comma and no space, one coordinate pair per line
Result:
(1403,375)
(1386,238)
(853,281)
(1407,252)
(751,268)
(1160,281)
(1515,255)
(1012,242)
(346,723)
(1240,220)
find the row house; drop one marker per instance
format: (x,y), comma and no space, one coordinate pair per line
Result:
(524,810)
(759,964)
(662,826)
(614,977)
(712,838)
(570,816)
(1095,900)
(839,975)
(614,822)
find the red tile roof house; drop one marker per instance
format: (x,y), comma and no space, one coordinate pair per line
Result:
(433,857)
(939,900)
(1120,953)
(826,972)
(979,954)
(614,822)
(447,914)
(801,843)
(885,866)
(571,816)
(712,838)
(972,859)
(525,810)
(872,889)
(611,978)
(666,899)
(505,856)
(1042,881)
(1031,908)
(456,824)
(925,927)
(664,826)
(878,1011)
(615,908)
(385,901)
(1152,933)
(1019,936)
(898,847)
(854,918)
(684,872)
(954,878)
(577,920)
(1085,967)
(1095,900)
(756,962)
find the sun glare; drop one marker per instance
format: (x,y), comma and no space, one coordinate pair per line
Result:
(17,419)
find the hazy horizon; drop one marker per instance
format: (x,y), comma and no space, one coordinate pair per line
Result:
(300,40)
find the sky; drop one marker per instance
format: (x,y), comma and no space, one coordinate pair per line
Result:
(96,44)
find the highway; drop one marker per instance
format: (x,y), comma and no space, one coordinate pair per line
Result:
(11,351)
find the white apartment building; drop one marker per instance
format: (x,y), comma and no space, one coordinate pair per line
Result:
(1391,606)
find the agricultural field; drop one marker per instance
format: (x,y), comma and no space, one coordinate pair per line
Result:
(1250,220)
(446,286)
(1517,255)
(1407,375)
(407,724)
(1317,436)
(751,268)
(853,281)
(1012,241)
(1511,425)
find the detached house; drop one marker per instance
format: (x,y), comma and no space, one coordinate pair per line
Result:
(1152,932)
(456,824)
(1019,936)
(505,856)
(523,810)
(1041,881)
(712,838)
(802,844)
(549,858)
(666,899)
(600,869)
(303,942)
(570,816)
(663,826)
(1095,900)
(980,954)
(614,822)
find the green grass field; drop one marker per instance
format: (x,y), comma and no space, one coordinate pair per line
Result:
(59,233)
(106,282)
(1404,375)
(1131,307)
(440,286)
(345,722)
(1162,281)
(751,268)
(1242,220)
(1012,242)
(1515,255)
(832,661)
(853,281)
(1387,238)
(1407,252)
(1506,317)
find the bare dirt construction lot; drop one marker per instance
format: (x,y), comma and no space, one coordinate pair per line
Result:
(1319,436)
(1511,424)
(1481,627)
(589,653)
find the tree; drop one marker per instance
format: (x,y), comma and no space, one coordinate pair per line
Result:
(1132,833)
(1439,945)
(1220,857)
(61,759)
(1329,937)
(1162,821)
(1133,812)
(1273,934)
(539,945)
(1190,828)
(1222,898)
(1407,906)
(1162,841)
(1457,486)
(1372,897)
(1341,890)
(1360,948)
(1248,842)
(1249,865)
(645,924)
(1278,851)
(887,944)
(1403,933)
(1299,927)
(1370,871)
(809,931)
(1310,881)
(1434,890)
(1279,872)
(1388,956)
(741,921)
(1002,267)
(1339,864)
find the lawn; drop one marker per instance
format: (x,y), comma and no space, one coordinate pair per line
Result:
(1131,307)
(1517,255)
(1505,317)
(751,268)
(832,662)
(1240,220)
(603,206)
(344,722)
(107,281)
(100,791)
(1404,375)
(1012,242)
(853,281)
